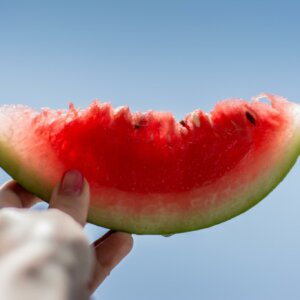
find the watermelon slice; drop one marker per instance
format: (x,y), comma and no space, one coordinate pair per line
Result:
(150,174)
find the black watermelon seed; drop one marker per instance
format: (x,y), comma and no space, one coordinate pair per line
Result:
(182,122)
(250,117)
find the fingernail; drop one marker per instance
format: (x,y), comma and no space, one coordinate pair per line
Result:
(103,238)
(72,183)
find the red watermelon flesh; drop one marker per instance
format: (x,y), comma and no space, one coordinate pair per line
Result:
(148,173)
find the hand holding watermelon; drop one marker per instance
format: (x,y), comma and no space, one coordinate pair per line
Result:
(47,252)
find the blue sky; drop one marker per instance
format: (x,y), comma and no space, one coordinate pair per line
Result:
(177,56)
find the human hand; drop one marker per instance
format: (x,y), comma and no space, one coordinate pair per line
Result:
(47,253)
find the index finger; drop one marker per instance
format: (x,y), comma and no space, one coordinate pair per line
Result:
(14,195)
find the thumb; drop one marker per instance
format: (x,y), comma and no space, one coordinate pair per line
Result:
(72,196)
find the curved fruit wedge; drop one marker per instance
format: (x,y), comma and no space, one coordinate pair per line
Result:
(148,173)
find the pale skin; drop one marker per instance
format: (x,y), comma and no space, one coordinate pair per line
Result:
(47,253)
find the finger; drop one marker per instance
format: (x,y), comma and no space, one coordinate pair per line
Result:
(14,195)
(72,196)
(103,238)
(109,252)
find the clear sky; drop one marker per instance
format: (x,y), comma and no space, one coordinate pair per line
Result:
(170,55)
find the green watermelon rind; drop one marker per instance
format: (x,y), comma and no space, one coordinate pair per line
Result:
(25,177)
